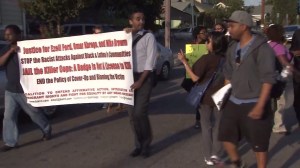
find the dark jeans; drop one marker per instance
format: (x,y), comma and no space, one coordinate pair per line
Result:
(297,100)
(138,114)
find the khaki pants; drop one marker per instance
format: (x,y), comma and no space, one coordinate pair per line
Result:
(284,104)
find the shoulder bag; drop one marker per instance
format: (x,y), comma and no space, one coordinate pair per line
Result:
(198,90)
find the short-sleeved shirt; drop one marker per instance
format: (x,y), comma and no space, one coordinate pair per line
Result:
(244,50)
(12,72)
(280,50)
(144,53)
(204,68)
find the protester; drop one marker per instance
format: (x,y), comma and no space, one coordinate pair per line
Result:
(97,30)
(201,72)
(144,59)
(295,49)
(219,27)
(250,68)
(200,37)
(44,32)
(14,95)
(108,106)
(275,34)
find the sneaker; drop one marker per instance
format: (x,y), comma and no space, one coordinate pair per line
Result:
(105,106)
(216,160)
(241,165)
(47,136)
(209,162)
(197,124)
(135,152)
(146,153)
(6,148)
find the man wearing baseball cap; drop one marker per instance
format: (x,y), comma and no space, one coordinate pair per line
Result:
(250,69)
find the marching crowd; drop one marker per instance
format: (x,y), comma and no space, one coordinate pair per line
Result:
(264,78)
(256,65)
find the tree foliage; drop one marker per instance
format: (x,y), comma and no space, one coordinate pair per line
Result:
(122,8)
(280,7)
(221,12)
(54,12)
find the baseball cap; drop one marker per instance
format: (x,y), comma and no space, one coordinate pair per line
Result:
(242,17)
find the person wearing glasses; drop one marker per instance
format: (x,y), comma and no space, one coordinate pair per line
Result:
(200,37)
(219,27)
(250,69)
(202,71)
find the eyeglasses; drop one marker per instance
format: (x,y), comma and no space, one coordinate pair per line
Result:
(238,57)
(219,29)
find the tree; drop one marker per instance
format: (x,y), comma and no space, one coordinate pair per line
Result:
(122,8)
(225,9)
(54,12)
(281,7)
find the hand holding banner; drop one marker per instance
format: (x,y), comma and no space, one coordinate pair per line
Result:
(79,69)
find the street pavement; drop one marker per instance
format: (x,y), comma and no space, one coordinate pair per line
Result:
(86,136)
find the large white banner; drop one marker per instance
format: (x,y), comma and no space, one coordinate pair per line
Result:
(79,69)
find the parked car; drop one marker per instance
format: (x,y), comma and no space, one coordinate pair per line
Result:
(289,31)
(161,33)
(80,29)
(165,62)
(184,34)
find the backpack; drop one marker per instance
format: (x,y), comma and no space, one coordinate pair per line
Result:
(279,86)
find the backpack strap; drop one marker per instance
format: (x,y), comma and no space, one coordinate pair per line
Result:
(138,38)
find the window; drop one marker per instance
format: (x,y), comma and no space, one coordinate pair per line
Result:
(290,28)
(89,29)
(75,30)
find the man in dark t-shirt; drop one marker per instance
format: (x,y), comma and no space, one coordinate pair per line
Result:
(14,95)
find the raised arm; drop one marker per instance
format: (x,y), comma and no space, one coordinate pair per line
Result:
(187,67)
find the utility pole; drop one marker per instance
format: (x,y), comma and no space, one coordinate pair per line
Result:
(262,20)
(167,23)
(193,18)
